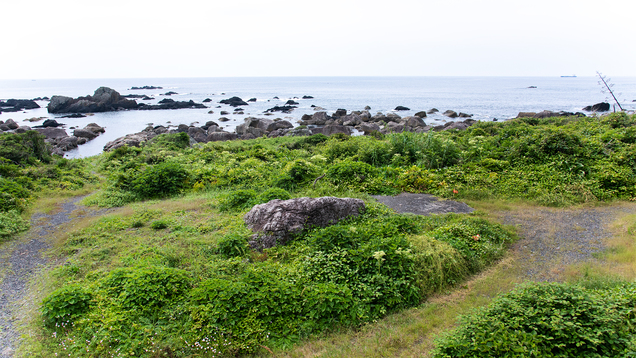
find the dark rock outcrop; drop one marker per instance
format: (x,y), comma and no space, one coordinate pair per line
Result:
(103,100)
(599,107)
(284,109)
(308,97)
(275,221)
(421,114)
(402,108)
(168,103)
(234,101)
(16,105)
(49,123)
(291,102)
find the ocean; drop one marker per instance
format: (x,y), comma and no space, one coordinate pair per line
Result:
(486,98)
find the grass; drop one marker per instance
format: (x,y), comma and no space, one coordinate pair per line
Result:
(411,333)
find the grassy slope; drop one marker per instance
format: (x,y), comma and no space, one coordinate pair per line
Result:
(409,332)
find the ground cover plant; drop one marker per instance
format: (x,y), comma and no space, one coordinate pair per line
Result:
(193,286)
(549,320)
(28,170)
(175,275)
(553,162)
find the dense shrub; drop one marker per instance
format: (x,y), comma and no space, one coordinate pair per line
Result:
(478,241)
(429,150)
(24,148)
(437,264)
(146,288)
(170,141)
(233,245)
(13,196)
(273,193)
(238,200)
(65,304)
(350,173)
(160,180)
(11,223)
(548,320)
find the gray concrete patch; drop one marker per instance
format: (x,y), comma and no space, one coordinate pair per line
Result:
(423,204)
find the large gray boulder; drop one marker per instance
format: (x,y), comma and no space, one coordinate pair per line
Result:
(52,133)
(275,221)
(414,121)
(131,140)
(84,133)
(367,128)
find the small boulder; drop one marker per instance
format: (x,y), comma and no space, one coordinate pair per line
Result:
(84,133)
(402,108)
(421,114)
(11,124)
(451,114)
(414,121)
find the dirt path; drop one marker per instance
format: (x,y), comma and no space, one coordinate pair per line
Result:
(19,262)
(553,239)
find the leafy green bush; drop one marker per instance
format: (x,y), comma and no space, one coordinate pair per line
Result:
(273,193)
(233,245)
(170,141)
(238,200)
(350,173)
(13,196)
(156,225)
(478,241)
(429,150)
(11,223)
(24,147)
(146,288)
(548,320)
(160,180)
(65,304)
(295,174)
(437,264)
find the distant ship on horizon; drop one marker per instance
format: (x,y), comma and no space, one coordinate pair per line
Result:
(569,76)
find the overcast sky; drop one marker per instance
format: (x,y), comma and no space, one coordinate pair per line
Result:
(213,38)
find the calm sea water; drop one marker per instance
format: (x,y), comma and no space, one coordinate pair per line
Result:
(484,97)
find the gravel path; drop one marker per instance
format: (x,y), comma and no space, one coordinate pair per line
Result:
(20,261)
(555,238)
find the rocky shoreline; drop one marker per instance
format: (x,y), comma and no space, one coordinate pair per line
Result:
(342,121)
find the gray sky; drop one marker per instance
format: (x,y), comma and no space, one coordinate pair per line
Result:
(187,38)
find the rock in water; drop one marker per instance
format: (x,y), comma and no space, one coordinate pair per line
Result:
(599,107)
(276,220)
(103,100)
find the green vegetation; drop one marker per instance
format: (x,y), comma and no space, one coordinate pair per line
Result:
(27,170)
(174,275)
(549,320)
